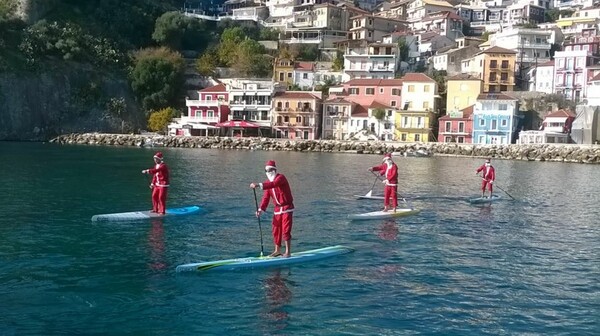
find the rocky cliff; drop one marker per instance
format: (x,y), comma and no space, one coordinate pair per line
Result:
(68,98)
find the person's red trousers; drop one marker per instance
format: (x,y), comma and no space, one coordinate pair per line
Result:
(159,199)
(282,227)
(390,192)
(484,183)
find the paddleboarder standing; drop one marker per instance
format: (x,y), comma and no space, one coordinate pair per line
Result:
(159,184)
(489,175)
(390,170)
(276,187)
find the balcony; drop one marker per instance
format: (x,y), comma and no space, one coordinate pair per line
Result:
(534,45)
(256,105)
(382,68)
(294,125)
(455,131)
(190,102)
(208,120)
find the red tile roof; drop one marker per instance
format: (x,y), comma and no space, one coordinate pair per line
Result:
(561,114)
(549,63)
(467,112)
(360,111)
(216,88)
(308,66)
(298,95)
(416,77)
(441,15)
(595,78)
(338,100)
(464,76)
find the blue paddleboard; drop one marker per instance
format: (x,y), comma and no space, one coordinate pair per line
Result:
(139,215)
(256,262)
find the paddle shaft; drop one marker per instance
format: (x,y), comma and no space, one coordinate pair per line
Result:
(497,186)
(262,249)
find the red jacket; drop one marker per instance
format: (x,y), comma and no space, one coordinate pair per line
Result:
(391,173)
(161,175)
(281,193)
(489,173)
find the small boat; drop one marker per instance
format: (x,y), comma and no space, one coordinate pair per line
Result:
(482,200)
(384,214)
(139,215)
(260,262)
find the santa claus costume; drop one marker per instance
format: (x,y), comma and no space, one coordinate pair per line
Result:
(390,170)
(159,184)
(277,188)
(489,176)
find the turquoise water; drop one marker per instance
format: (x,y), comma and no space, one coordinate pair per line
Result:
(529,266)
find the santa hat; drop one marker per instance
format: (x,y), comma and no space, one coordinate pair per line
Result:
(387,156)
(270,165)
(488,160)
(158,155)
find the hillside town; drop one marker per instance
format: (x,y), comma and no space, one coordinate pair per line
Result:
(472,72)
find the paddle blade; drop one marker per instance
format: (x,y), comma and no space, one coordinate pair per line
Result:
(369,193)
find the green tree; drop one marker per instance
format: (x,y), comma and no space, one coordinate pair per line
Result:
(8,9)
(403,49)
(208,62)
(381,115)
(178,32)
(230,41)
(269,34)
(551,15)
(338,61)
(250,60)
(157,77)
(159,120)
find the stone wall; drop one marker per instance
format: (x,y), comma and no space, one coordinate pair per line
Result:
(546,152)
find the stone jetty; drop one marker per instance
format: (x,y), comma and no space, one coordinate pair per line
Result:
(533,152)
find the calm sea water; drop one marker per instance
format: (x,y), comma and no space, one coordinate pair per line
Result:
(529,266)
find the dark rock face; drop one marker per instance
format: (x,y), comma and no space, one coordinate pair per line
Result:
(540,152)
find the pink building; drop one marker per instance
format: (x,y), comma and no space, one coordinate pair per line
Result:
(366,91)
(457,126)
(210,107)
(572,66)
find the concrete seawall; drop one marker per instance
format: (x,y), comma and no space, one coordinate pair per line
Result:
(538,152)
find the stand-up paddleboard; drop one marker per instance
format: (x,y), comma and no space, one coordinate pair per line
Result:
(259,262)
(139,215)
(481,200)
(367,196)
(384,214)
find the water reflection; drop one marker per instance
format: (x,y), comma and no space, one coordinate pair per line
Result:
(156,241)
(388,230)
(277,295)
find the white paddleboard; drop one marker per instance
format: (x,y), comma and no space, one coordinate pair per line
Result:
(256,262)
(481,200)
(384,214)
(139,215)
(367,196)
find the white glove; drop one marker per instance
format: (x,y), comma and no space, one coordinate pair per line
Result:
(384,181)
(144,171)
(491,182)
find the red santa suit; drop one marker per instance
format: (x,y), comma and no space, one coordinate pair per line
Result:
(489,175)
(279,191)
(391,185)
(160,185)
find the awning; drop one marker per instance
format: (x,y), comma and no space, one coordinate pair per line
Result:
(191,125)
(237,123)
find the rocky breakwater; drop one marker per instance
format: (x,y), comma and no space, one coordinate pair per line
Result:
(540,152)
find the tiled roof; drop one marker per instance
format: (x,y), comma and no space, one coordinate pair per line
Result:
(549,63)
(442,15)
(308,66)
(373,82)
(437,3)
(375,104)
(416,77)
(216,88)
(498,50)
(360,111)
(494,96)
(464,76)
(561,114)
(595,78)
(338,100)
(298,95)
(467,112)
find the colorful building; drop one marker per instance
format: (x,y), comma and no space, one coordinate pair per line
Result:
(495,119)
(495,66)
(283,71)
(297,114)
(556,128)
(457,126)
(462,91)
(416,118)
(210,107)
(336,118)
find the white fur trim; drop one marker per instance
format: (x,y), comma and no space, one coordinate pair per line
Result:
(270,167)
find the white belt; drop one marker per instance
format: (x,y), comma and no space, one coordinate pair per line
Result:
(161,185)
(283,211)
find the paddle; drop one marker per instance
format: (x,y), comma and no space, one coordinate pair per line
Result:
(373,186)
(497,186)
(262,249)
(378,177)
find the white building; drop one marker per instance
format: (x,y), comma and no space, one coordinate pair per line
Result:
(542,78)
(377,60)
(532,45)
(250,99)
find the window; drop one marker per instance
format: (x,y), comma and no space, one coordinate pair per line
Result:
(447,139)
(426,88)
(503,107)
(393,103)
(403,137)
(493,88)
(381,90)
(395,92)
(448,127)
(504,123)
(411,88)
(404,122)
(417,137)
(482,122)
(370,91)
(426,105)
(503,88)
(289,75)
(420,123)
(221,97)
(354,91)
(208,98)
(210,114)
(504,64)
(298,119)
(461,127)
(304,76)
(493,64)
(504,76)
(494,124)
(461,139)
(492,76)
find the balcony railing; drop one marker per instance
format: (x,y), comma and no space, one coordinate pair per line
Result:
(453,131)
(291,124)
(190,102)
(201,119)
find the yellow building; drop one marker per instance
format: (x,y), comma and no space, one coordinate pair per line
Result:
(283,71)
(416,117)
(462,91)
(495,67)
(297,114)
